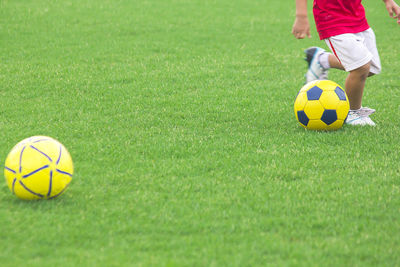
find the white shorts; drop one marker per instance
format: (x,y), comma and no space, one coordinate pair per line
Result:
(354,50)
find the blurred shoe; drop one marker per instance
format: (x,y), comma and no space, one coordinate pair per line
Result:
(315,70)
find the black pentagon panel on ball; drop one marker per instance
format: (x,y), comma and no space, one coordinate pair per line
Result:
(340,93)
(314,93)
(303,119)
(329,116)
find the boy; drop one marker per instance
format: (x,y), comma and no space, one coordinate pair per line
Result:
(344,28)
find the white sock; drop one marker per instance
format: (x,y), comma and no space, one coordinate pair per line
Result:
(324,60)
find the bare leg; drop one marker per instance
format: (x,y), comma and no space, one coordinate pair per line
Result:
(355,83)
(334,62)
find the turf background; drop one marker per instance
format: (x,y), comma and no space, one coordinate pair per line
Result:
(179,117)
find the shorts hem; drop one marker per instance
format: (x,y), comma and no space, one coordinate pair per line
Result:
(375,70)
(359,63)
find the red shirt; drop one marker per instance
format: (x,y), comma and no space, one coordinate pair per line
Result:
(334,17)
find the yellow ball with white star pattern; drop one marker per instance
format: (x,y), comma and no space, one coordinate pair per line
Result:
(321,105)
(38,167)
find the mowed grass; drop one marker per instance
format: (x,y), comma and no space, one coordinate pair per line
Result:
(179,117)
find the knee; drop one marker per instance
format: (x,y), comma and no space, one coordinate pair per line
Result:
(363,72)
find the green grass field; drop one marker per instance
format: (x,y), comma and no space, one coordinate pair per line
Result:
(179,117)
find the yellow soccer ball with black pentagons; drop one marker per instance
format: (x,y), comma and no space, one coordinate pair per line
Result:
(321,105)
(38,167)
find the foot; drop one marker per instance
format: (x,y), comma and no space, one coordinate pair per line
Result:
(315,70)
(359,117)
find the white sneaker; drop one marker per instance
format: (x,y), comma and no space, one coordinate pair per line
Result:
(358,117)
(315,70)
(365,111)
